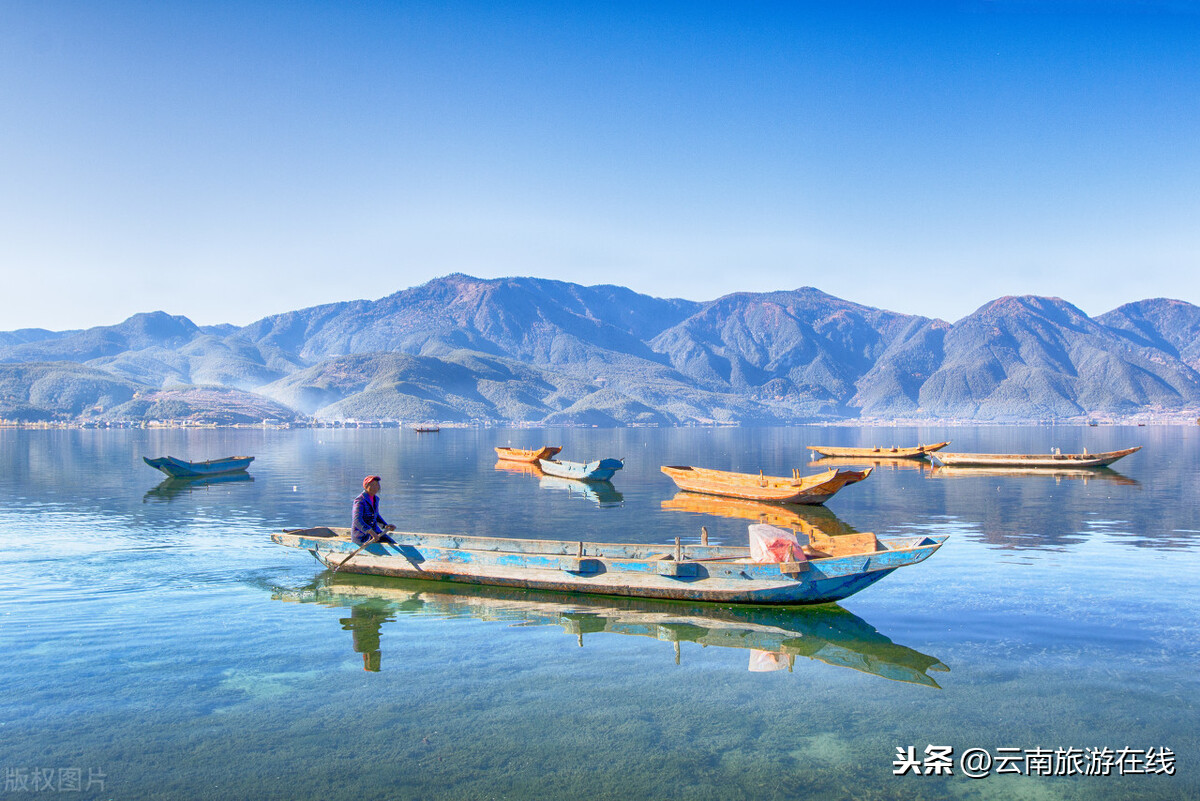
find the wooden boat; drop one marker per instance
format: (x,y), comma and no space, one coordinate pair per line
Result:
(426,428)
(917,452)
(718,573)
(816,488)
(827,634)
(532,456)
(178,468)
(599,470)
(1056,459)
(1082,473)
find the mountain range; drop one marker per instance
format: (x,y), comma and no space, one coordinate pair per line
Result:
(539,351)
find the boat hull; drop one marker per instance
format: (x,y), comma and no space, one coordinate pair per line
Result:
(599,470)
(703,573)
(813,489)
(919,452)
(178,468)
(1050,460)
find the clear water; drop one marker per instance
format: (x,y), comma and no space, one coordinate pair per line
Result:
(154,640)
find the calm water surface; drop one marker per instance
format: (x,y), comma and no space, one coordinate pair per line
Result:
(155,644)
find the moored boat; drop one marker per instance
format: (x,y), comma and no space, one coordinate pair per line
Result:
(1055,459)
(599,470)
(718,573)
(178,468)
(530,455)
(816,488)
(916,452)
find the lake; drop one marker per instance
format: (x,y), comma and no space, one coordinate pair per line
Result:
(156,644)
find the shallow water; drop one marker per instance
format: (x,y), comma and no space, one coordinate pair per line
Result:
(157,645)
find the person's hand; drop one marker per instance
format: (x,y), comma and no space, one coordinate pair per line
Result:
(389,527)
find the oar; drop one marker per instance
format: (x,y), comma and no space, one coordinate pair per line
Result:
(356,550)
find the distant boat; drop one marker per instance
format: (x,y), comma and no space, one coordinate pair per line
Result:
(178,468)
(522,455)
(816,488)
(426,428)
(599,470)
(916,452)
(716,573)
(1052,460)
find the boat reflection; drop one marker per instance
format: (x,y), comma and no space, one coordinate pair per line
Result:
(172,488)
(524,468)
(806,519)
(602,493)
(827,462)
(1083,473)
(773,637)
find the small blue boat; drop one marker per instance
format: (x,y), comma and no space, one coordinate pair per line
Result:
(599,470)
(178,468)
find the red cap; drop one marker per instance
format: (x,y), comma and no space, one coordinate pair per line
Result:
(369,479)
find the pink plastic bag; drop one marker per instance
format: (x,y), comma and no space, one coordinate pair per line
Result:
(773,544)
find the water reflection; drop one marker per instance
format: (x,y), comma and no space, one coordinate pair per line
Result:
(772,637)
(827,462)
(1081,473)
(806,519)
(172,488)
(602,493)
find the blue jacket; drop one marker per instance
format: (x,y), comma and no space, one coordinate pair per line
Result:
(367,521)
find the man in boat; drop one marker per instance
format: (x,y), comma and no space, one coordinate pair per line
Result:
(368,524)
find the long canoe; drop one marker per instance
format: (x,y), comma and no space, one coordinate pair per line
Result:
(772,637)
(1084,459)
(599,470)
(917,452)
(816,488)
(527,455)
(178,468)
(716,573)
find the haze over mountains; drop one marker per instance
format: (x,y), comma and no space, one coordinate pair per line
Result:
(533,350)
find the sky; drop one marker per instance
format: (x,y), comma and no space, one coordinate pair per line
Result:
(228,161)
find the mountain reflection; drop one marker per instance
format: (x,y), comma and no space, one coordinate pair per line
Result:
(772,637)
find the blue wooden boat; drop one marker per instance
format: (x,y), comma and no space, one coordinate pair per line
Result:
(178,468)
(716,573)
(599,470)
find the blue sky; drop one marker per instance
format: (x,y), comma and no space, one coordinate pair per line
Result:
(226,161)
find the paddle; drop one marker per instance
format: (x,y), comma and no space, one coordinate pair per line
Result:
(374,539)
